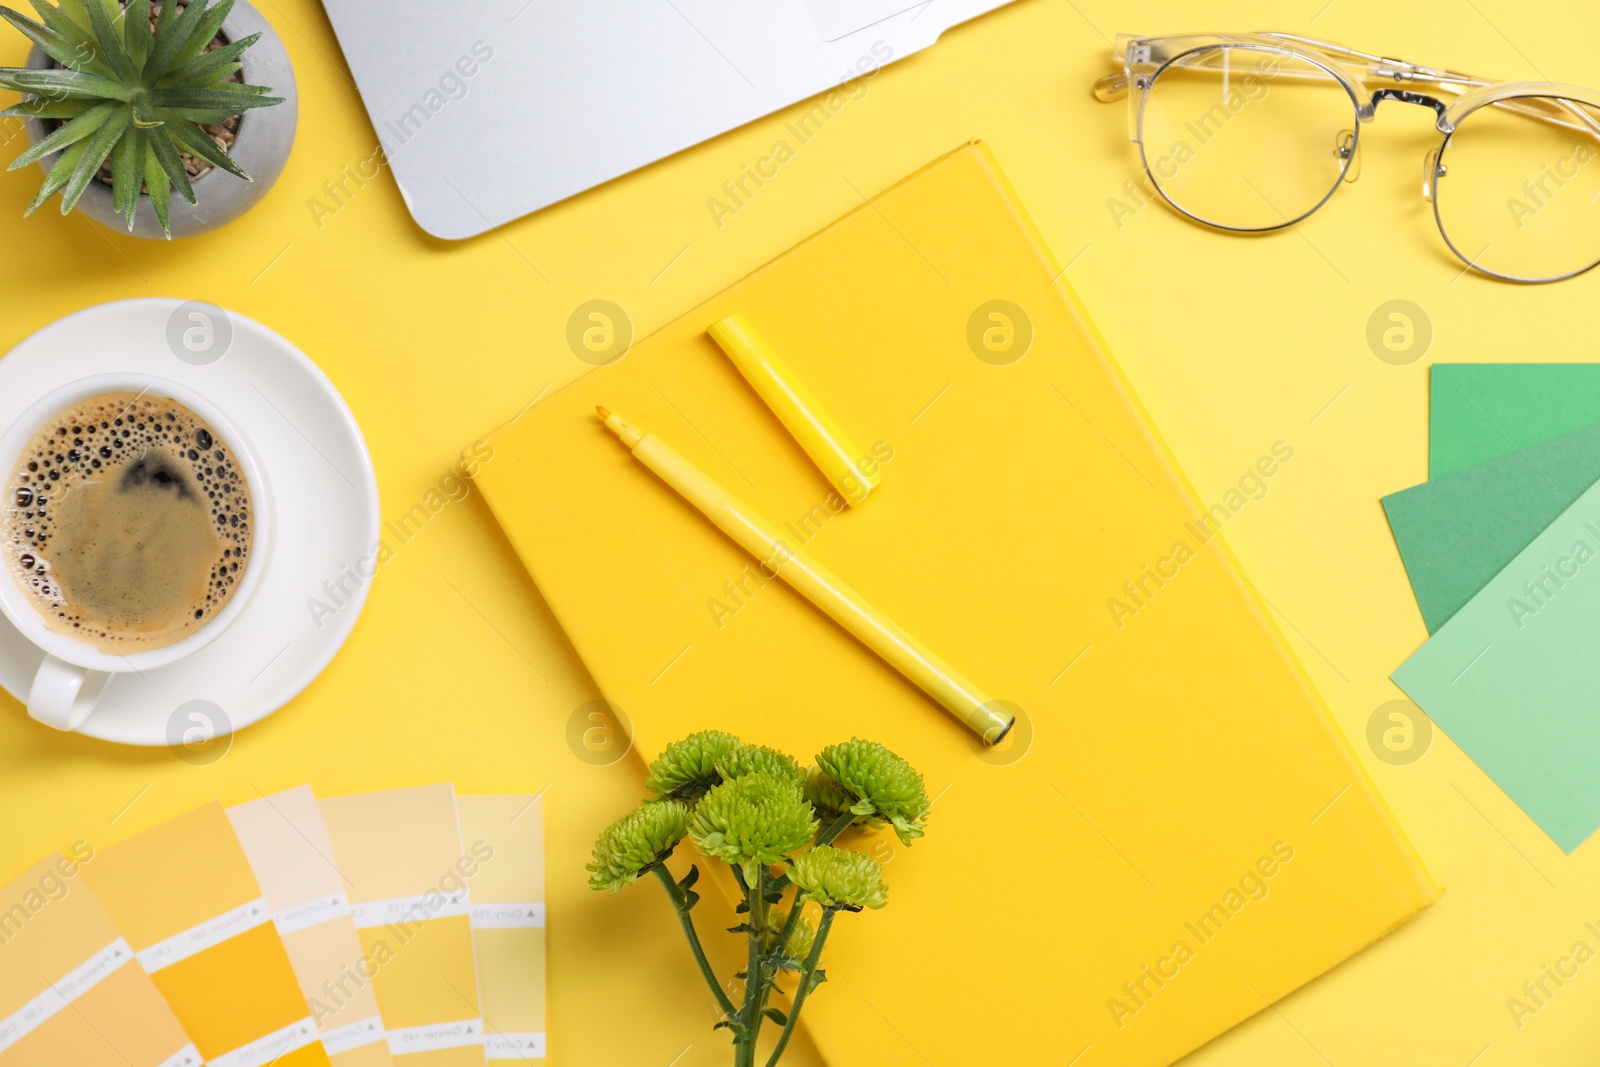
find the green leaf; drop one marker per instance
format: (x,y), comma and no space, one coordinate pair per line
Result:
(691,878)
(198,116)
(211,67)
(75,11)
(136,31)
(100,146)
(49,109)
(776,1016)
(58,176)
(144,113)
(127,172)
(211,99)
(109,39)
(204,33)
(86,55)
(168,43)
(169,11)
(49,41)
(197,142)
(63,84)
(67,134)
(156,180)
(166,153)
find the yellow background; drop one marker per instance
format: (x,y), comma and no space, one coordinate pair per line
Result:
(456,671)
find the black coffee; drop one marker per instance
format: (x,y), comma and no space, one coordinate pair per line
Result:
(128,522)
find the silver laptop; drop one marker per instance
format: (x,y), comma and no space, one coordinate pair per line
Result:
(490,109)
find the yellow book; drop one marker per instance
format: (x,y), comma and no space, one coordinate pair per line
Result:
(1174,836)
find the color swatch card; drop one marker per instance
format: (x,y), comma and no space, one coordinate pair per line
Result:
(287,844)
(1458,530)
(184,896)
(404,868)
(72,992)
(1479,411)
(508,922)
(1514,677)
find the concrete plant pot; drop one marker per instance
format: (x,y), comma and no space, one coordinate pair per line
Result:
(261,144)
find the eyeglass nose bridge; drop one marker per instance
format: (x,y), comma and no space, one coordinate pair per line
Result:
(1405,96)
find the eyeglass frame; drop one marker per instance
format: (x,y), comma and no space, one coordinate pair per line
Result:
(1144,59)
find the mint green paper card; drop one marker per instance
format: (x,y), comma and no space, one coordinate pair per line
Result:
(1478,411)
(1459,530)
(1514,676)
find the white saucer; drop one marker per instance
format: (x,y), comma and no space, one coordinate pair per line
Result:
(323,487)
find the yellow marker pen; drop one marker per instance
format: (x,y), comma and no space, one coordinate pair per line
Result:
(814,429)
(838,599)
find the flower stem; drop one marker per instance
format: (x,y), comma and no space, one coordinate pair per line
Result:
(804,990)
(835,828)
(750,1014)
(680,902)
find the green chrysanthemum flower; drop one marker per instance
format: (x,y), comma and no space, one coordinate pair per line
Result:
(753,822)
(636,842)
(800,938)
(826,795)
(837,877)
(884,785)
(686,769)
(753,759)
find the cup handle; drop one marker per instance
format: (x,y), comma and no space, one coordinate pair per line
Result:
(63,696)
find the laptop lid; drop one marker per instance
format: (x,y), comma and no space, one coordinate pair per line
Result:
(491,110)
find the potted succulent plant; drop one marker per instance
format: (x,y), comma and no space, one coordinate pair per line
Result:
(126,104)
(773,823)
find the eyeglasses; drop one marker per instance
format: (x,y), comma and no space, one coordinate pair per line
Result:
(1254,131)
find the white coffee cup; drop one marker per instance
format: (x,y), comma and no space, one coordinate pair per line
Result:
(74,673)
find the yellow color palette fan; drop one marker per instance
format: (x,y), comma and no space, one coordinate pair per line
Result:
(1174,835)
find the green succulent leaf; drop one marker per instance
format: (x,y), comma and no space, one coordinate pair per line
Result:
(882,785)
(687,769)
(211,98)
(52,43)
(839,878)
(100,146)
(139,43)
(198,142)
(68,133)
(159,187)
(49,109)
(77,12)
(166,156)
(164,52)
(59,175)
(109,38)
(127,173)
(86,54)
(210,67)
(64,84)
(210,23)
(636,843)
(753,822)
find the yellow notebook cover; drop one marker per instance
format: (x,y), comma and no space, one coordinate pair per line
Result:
(1175,836)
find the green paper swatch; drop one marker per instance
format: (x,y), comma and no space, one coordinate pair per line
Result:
(1514,676)
(1479,411)
(1458,531)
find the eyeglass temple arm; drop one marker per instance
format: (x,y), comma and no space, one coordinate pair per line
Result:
(1114,86)
(1453,81)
